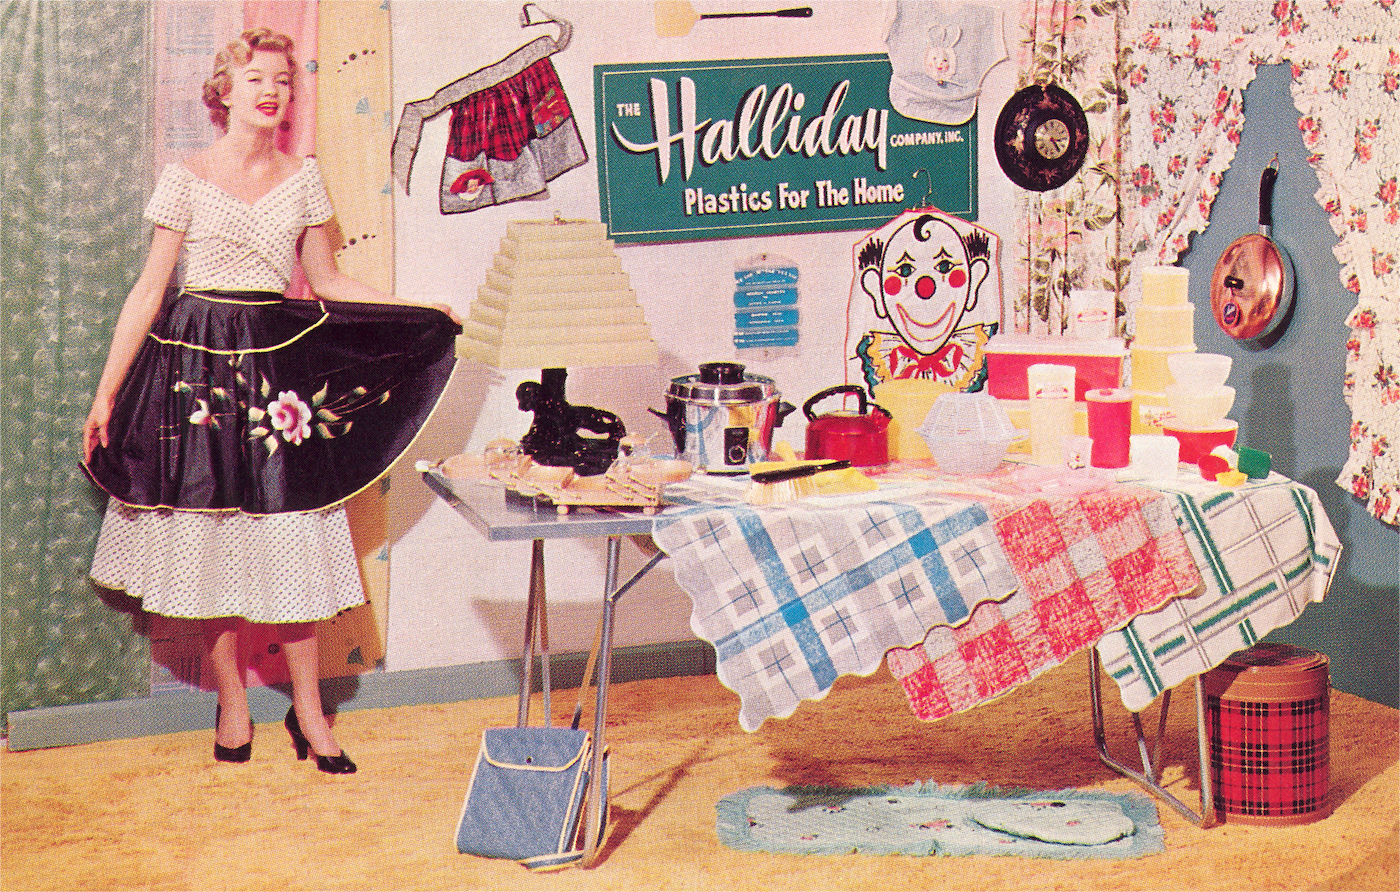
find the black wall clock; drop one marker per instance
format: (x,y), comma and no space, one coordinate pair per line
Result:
(1041,137)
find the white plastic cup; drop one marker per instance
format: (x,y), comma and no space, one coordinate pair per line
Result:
(1077,451)
(1153,456)
(1051,391)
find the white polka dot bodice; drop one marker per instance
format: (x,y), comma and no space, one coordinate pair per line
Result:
(293,567)
(233,245)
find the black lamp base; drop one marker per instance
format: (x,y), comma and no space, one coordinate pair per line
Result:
(555,436)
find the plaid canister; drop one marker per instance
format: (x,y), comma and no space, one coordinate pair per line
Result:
(1266,712)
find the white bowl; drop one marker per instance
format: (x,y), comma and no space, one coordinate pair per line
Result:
(1199,371)
(1195,407)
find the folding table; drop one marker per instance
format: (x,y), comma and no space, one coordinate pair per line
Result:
(1263,551)
(502,516)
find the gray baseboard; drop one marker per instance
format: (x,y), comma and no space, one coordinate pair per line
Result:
(194,710)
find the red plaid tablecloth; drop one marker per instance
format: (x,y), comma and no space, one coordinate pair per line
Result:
(1088,563)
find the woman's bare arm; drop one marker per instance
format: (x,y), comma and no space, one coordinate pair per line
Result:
(133,324)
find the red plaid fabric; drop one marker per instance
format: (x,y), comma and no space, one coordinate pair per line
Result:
(1268,759)
(1087,564)
(501,120)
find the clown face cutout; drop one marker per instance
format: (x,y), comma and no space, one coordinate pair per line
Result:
(924,279)
(932,287)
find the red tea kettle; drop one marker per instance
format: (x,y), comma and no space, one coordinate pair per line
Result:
(861,438)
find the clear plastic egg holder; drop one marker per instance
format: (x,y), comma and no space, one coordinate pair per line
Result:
(968,433)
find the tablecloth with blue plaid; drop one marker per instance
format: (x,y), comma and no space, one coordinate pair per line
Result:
(793,596)
(971,587)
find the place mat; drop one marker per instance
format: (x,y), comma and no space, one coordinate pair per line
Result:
(1266,550)
(929,819)
(1087,562)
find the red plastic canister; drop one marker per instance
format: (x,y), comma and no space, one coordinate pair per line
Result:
(1266,713)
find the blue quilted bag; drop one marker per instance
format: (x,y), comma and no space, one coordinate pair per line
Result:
(527,796)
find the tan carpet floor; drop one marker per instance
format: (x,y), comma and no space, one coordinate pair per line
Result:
(158,813)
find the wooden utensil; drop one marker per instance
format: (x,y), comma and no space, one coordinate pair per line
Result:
(675,18)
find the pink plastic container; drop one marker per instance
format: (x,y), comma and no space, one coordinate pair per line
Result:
(1097,364)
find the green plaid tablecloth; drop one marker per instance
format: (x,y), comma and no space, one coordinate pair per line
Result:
(1265,549)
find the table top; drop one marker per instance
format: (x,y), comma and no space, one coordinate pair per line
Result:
(1000,576)
(503,516)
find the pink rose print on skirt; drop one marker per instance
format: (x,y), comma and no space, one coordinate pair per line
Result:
(291,416)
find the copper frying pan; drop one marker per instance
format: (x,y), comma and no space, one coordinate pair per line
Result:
(1251,290)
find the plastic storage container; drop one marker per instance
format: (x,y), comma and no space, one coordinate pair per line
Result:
(968,433)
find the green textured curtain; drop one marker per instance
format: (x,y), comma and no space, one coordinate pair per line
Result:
(74,175)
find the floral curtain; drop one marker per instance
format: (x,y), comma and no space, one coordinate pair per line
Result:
(76,161)
(1073,236)
(1191,63)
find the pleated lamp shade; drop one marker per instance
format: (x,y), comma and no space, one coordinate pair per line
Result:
(556,297)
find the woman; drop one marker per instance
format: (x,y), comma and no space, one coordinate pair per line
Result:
(230,423)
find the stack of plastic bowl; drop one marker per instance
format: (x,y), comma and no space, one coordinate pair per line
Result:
(1198,401)
(968,433)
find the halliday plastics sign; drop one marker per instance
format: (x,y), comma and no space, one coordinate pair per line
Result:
(705,150)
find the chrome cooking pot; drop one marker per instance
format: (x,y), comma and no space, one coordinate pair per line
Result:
(722,419)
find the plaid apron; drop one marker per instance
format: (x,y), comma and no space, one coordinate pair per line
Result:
(511,131)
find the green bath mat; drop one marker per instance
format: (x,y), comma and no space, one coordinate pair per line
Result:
(930,819)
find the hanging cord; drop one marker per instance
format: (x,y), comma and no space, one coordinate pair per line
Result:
(1063,293)
(1064,33)
(1118,282)
(1030,279)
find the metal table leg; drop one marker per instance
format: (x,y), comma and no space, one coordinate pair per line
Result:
(1151,764)
(536,629)
(597,816)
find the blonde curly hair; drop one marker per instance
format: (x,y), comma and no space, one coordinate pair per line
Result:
(236,54)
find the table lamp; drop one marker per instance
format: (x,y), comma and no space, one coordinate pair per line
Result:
(556,297)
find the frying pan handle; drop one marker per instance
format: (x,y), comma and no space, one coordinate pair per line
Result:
(1266,196)
(801,12)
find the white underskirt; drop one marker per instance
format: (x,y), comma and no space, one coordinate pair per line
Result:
(277,568)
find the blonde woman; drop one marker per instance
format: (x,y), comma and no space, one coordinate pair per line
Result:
(231,423)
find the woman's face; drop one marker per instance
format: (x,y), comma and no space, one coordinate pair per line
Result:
(261,91)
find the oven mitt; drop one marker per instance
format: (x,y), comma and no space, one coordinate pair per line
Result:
(1056,820)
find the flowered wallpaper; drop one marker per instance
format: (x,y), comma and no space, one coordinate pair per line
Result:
(1190,63)
(1074,235)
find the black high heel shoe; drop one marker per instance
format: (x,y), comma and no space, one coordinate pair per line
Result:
(241,753)
(339,764)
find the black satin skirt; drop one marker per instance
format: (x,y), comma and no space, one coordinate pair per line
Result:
(252,402)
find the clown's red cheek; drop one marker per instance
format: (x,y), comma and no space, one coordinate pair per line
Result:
(892,285)
(957,278)
(925,287)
